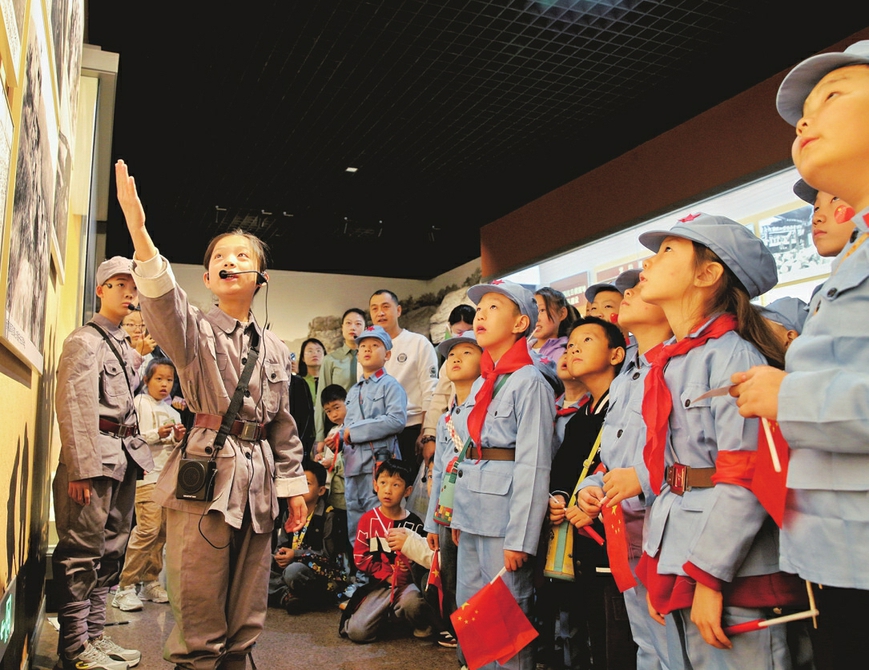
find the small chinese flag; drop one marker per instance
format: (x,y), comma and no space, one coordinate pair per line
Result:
(491,626)
(770,486)
(434,579)
(617,546)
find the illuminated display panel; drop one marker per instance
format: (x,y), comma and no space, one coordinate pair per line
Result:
(768,205)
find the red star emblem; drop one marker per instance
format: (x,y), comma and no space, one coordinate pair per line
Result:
(497,281)
(690,217)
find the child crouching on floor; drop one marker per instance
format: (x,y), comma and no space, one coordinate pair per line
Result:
(308,569)
(391,589)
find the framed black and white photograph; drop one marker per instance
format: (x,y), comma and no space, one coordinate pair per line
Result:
(27,270)
(12,13)
(789,236)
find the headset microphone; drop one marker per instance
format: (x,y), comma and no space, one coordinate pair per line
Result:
(260,277)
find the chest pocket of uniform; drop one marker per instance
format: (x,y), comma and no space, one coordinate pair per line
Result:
(278,381)
(501,414)
(222,361)
(114,381)
(698,416)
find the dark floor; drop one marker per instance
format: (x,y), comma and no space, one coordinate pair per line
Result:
(307,641)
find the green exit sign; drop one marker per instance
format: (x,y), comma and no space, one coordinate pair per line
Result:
(7,616)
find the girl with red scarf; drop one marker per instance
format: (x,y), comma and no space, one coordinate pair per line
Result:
(710,552)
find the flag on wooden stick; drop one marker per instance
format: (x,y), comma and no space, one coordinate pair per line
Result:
(491,626)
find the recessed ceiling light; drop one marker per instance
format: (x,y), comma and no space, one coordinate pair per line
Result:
(351,169)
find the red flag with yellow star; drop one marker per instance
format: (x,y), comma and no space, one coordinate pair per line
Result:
(770,486)
(491,626)
(617,546)
(434,579)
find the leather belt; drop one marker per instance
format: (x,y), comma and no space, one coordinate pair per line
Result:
(682,478)
(250,431)
(117,429)
(484,454)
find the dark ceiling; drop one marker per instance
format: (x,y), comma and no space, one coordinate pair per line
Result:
(455,113)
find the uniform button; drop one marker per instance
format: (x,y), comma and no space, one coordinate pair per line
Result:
(687,403)
(458,410)
(244,361)
(636,375)
(246,393)
(619,434)
(460,474)
(248,455)
(208,450)
(274,374)
(832,293)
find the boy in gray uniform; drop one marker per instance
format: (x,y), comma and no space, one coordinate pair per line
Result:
(95,485)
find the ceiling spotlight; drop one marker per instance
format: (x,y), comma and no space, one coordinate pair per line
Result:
(351,169)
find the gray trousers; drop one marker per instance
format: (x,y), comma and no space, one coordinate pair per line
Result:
(363,624)
(91,539)
(218,595)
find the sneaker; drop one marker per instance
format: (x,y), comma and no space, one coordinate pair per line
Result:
(447,639)
(126,599)
(422,633)
(154,592)
(90,658)
(116,652)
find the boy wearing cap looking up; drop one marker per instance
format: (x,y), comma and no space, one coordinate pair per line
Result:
(832,227)
(100,458)
(502,488)
(376,414)
(820,399)
(604,300)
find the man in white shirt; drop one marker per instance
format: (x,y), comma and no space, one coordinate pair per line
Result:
(413,363)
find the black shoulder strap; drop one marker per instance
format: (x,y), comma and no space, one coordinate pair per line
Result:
(117,353)
(238,396)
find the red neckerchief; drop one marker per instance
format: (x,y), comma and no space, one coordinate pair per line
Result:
(516,357)
(571,409)
(658,402)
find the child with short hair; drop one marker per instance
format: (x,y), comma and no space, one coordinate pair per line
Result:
(604,300)
(462,357)
(160,426)
(330,455)
(95,484)
(391,589)
(819,400)
(503,484)
(709,550)
(832,224)
(307,569)
(376,414)
(595,351)
(220,611)
(626,481)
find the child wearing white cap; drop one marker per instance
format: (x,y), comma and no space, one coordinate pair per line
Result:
(709,551)
(820,400)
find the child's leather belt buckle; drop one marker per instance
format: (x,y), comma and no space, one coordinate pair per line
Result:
(682,478)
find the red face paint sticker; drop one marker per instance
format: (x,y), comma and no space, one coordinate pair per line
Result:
(844,213)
